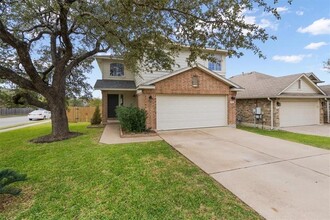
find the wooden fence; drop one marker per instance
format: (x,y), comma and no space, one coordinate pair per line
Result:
(15,111)
(80,114)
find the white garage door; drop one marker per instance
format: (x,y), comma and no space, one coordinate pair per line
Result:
(190,111)
(297,113)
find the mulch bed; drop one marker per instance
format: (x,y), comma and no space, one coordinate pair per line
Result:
(125,134)
(49,138)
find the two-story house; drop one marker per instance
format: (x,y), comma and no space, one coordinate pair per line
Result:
(186,97)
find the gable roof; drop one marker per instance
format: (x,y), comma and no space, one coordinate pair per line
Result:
(314,78)
(259,85)
(200,67)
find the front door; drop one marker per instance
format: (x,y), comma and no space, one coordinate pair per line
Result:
(113,101)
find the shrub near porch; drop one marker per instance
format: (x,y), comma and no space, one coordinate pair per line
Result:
(82,179)
(132,119)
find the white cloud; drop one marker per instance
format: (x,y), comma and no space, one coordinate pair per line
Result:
(290,58)
(250,19)
(281,9)
(300,13)
(265,23)
(321,26)
(315,46)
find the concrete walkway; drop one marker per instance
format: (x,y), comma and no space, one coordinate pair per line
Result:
(111,135)
(277,178)
(319,130)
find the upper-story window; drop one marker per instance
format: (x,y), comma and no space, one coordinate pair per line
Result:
(215,66)
(116,69)
(299,84)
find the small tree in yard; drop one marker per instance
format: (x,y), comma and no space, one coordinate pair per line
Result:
(45,44)
(7,177)
(96,119)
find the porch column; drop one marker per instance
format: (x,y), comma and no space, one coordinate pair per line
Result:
(104,107)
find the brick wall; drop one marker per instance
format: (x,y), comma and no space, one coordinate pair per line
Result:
(182,84)
(244,108)
(147,101)
(232,109)
(245,115)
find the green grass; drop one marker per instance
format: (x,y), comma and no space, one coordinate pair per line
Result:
(312,140)
(82,179)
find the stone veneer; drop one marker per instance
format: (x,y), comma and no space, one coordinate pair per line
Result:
(182,84)
(244,108)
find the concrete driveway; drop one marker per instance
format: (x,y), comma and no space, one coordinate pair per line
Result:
(320,130)
(277,178)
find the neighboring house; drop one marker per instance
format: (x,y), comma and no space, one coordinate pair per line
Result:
(326,106)
(274,102)
(187,97)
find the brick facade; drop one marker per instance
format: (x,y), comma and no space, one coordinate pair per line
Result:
(325,110)
(244,108)
(182,84)
(245,115)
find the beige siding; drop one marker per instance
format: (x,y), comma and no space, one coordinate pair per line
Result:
(306,87)
(181,62)
(104,65)
(128,96)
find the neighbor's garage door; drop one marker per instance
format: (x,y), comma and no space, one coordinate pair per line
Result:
(190,111)
(299,112)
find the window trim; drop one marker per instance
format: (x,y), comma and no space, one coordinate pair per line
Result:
(213,65)
(123,69)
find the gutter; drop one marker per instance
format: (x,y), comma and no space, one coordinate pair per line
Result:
(272,113)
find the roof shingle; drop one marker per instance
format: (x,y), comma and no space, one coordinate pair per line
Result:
(114,84)
(326,89)
(258,85)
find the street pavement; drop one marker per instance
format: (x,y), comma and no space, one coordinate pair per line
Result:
(13,121)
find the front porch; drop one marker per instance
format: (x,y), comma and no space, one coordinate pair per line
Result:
(113,98)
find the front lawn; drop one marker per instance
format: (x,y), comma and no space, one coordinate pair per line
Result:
(82,179)
(312,140)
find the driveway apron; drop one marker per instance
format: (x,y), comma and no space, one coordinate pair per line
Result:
(279,179)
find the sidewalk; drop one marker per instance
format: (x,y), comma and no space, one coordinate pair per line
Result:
(111,135)
(24,126)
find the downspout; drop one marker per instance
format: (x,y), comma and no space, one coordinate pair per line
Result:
(271,114)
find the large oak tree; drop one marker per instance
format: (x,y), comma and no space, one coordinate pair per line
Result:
(42,42)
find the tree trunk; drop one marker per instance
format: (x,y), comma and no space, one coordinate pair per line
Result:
(60,125)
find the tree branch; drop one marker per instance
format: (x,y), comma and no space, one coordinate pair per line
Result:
(46,72)
(23,54)
(29,99)
(13,77)
(86,55)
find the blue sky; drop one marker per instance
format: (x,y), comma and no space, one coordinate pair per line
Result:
(302,45)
